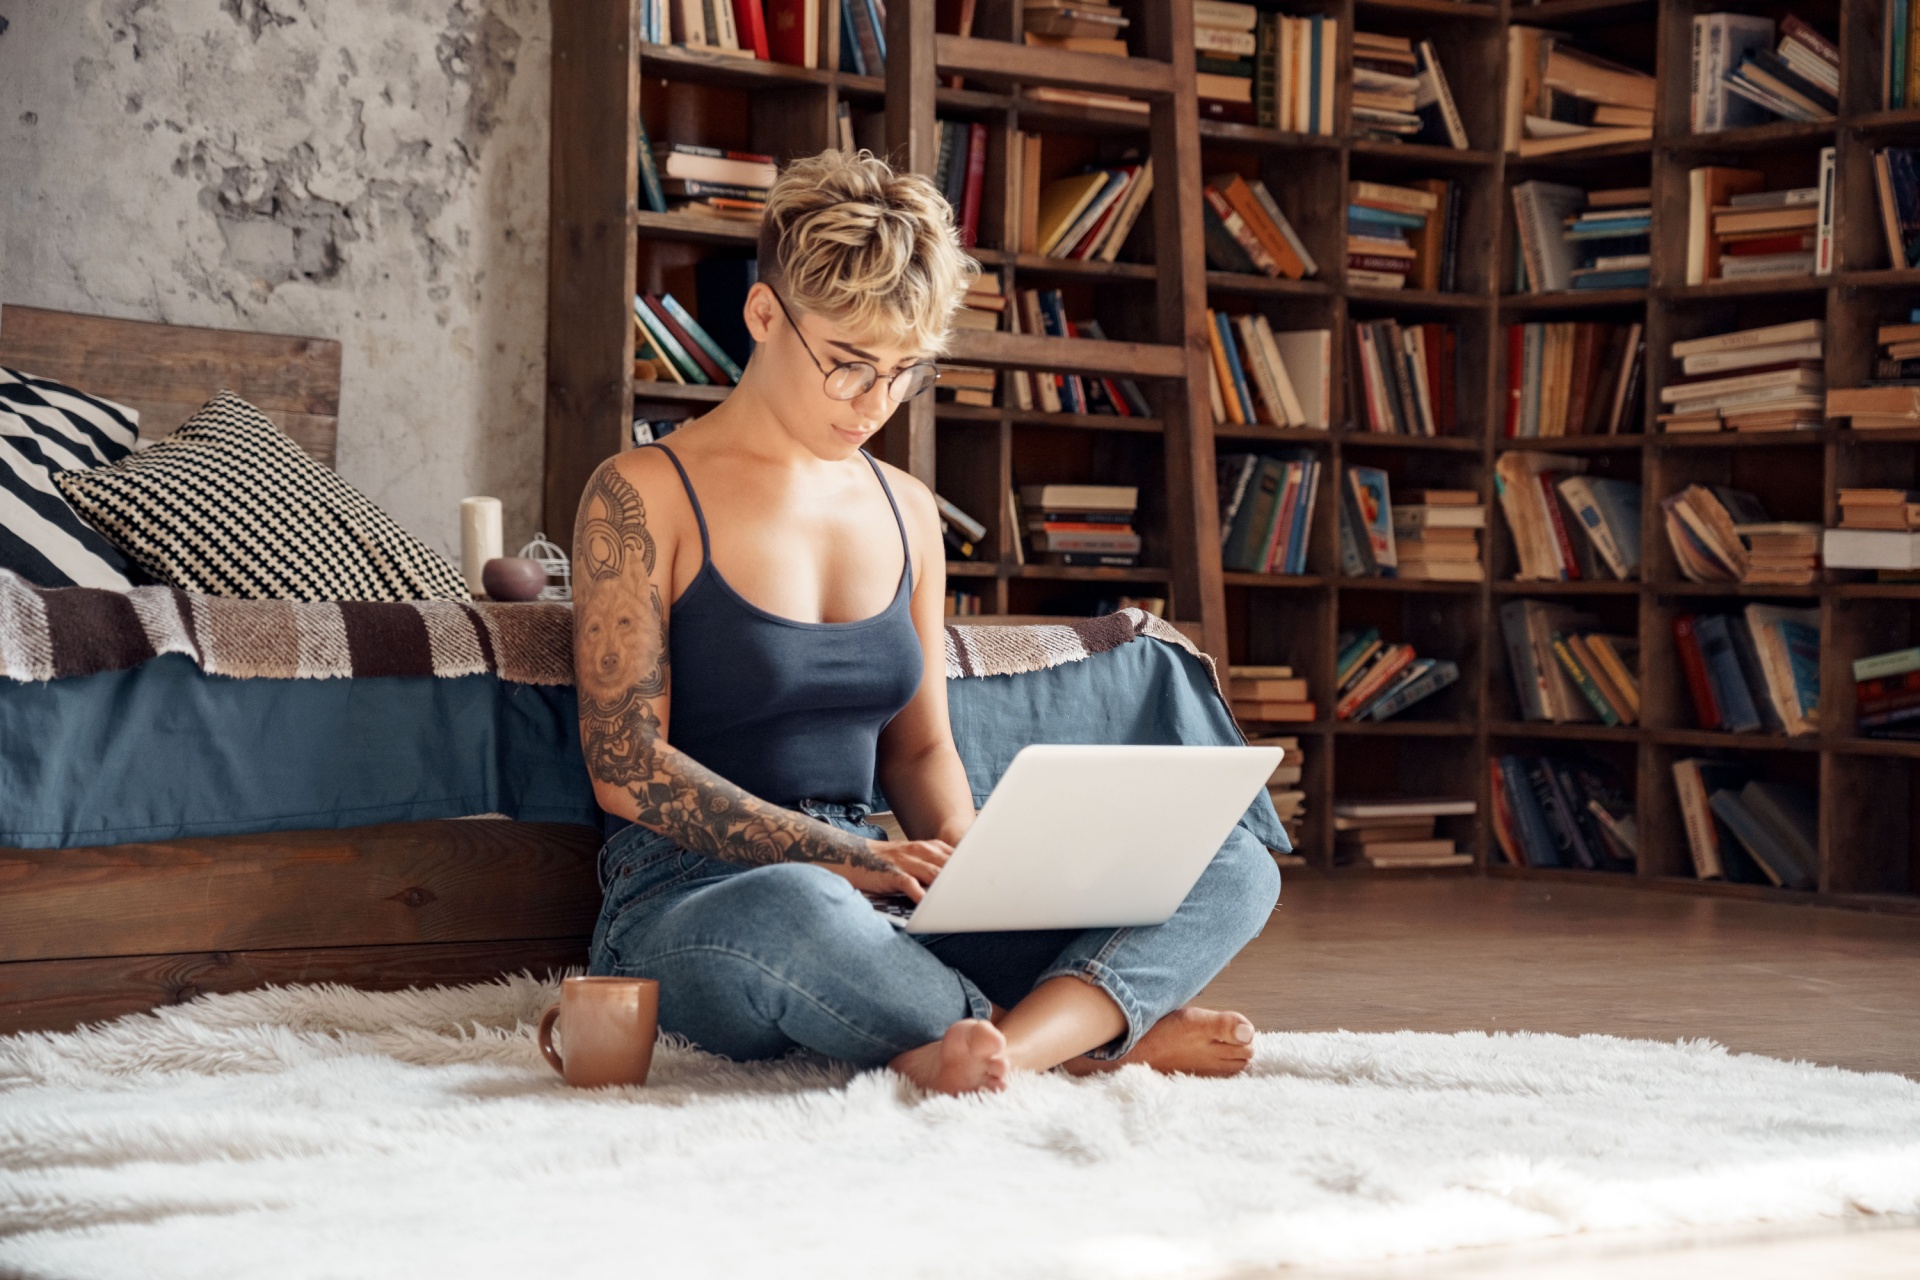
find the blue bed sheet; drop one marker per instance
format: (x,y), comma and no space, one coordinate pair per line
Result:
(164,751)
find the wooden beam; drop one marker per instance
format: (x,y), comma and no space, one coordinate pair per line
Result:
(913,145)
(1078,355)
(452,881)
(592,187)
(59,995)
(1181,296)
(997,61)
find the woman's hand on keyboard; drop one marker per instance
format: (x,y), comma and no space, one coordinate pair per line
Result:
(913,865)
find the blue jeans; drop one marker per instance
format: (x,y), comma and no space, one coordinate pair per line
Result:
(755,961)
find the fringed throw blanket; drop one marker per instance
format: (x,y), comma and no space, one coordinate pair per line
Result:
(57,632)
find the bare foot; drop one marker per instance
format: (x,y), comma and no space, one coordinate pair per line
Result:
(1190,1041)
(972,1056)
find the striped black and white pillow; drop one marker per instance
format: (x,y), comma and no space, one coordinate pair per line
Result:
(230,506)
(48,430)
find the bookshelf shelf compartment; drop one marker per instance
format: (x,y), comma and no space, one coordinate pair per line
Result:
(1570,444)
(694,65)
(1546,730)
(1002,62)
(1573,300)
(1759,137)
(1514,587)
(1423,154)
(692,229)
(661,391)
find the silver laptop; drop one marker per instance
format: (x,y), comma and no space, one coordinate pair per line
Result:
(1086,836)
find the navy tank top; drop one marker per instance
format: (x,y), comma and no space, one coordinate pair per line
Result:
(788,710)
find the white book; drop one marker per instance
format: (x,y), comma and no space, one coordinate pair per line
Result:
(1870,549)
(1767,264)
(1750,357)
(1720,40)
(1308,357)
(1296,415)
(1773,378)
(1764,336)
(1823,223)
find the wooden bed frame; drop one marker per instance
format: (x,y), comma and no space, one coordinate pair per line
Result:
(87,934)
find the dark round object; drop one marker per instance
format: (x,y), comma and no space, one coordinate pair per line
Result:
(513,578)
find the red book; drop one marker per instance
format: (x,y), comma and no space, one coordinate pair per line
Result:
(680,335)
(1705,709)
(1449,391)
(1885,687)
(1516,375)
(751,20)
(1767,244)
(976,175)
(1567,557)
(793,32)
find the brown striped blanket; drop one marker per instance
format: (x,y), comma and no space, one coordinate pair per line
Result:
(49,633)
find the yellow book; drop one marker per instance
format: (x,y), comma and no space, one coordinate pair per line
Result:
(1062,201)
(1229,395)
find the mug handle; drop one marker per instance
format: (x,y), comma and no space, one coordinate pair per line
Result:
(546,1040)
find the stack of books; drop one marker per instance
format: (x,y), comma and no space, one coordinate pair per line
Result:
(1746,829)
(683,178)
(1294,72)
(800,33)
(1284,788)
(670,345)
(1785,357)
(1886,694)
(1261,376)
(1876,532)
(1574,378)
(1554,811)
(1397,235)
(960,170)
(1268,695)
(1740,78)
(1787,395)
(1720,534)
(1377,679)
(1086,216)
(1436,535)
(1393,833)
(1900,55)
(1752,670)
(1082,524)
(1224,46)
(1400,93)
(1043,311)
(1085,26)
(981,309)
(1574,239)
(1563,99)
(1246,231)
(1888,400)
(1409,378)
(962,604)
(1737,230)
(1568,526)
(1896,179)
(1565,669)
(1266,510)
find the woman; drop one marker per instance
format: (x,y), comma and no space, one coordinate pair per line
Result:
(741,579)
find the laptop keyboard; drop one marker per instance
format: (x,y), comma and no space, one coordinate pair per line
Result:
(896,907)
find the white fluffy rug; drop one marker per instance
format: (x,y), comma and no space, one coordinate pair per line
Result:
(321,1131)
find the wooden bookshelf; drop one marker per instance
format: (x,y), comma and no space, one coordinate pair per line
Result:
(603,246)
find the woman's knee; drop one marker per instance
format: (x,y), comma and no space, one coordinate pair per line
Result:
(1244,882)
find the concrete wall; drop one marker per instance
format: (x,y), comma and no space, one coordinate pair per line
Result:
(373,171)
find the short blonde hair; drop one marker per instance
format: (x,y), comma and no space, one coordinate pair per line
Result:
(848,238)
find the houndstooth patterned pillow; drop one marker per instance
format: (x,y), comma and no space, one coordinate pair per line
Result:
(229,506)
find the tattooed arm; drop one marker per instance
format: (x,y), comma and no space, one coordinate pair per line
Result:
(621,674)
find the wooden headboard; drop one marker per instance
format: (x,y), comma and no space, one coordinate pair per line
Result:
(168,371)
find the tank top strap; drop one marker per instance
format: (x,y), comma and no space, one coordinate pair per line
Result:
(906,548)
(706,550)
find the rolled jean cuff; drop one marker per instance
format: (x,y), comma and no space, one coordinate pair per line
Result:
(1093,971)
(978,1006)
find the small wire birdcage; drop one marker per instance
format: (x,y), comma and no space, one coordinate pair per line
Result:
(558,568)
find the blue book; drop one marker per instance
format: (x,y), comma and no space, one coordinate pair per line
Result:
(1436,676)
(649,174)
(1234,366)
(1313,112)
(1535,836)
(1625,278)
(1759,841)
(850,41)
(879,18)
(1384,218)
(669,346)
(1737,712)
(1352,652)
(1302,519)
(1608,228)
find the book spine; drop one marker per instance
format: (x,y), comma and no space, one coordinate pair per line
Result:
(667,345)
(700,336)
(1569,564)
(1584,682)
(707,364)
(1706,708)
(975,178)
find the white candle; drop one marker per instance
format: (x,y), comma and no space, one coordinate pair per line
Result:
(479,538)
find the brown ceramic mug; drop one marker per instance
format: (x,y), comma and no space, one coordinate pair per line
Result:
(607,1027)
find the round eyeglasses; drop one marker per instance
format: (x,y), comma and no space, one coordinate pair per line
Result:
(854,378)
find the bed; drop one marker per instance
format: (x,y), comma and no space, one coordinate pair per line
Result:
(161,837)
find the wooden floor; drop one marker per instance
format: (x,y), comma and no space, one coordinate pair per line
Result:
(1836,987)
(1841,988)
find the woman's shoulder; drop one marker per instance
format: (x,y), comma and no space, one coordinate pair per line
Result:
(916,500)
